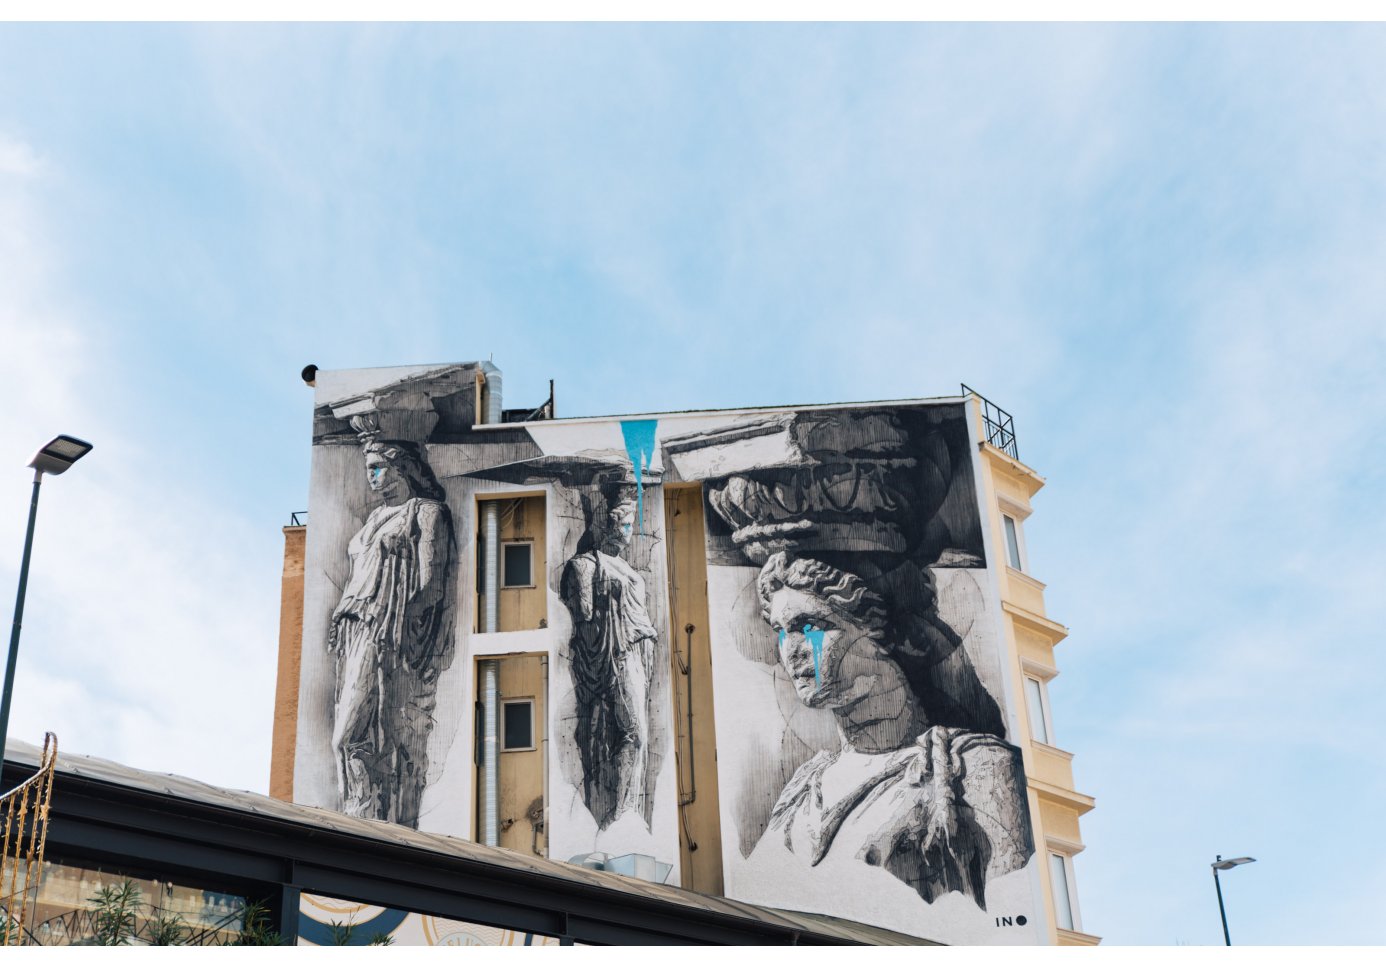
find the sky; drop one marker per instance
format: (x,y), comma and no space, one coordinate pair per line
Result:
(1161,248)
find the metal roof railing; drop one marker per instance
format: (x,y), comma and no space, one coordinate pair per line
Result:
(997,423)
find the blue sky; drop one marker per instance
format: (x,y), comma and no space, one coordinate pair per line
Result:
(1163,249)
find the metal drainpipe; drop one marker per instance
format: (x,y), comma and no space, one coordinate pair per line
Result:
(490,668)
(544,665)
(490,516)
(490,704)
(490,675)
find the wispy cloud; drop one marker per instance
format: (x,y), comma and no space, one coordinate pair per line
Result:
(18,159)
(149,630)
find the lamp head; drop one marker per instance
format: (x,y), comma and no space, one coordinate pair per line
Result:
(59,454)
(1227,865)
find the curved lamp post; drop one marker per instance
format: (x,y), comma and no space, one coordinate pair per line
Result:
(54,457)
(1226,865)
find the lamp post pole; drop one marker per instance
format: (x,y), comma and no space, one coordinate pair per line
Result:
(54,457)
(1226,865)
(1227,938)
(13,658)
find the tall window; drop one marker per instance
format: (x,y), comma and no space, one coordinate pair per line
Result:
(1063,901)
(518,563)
(1012,542)
(1039,713)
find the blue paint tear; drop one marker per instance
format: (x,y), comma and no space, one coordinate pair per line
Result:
(815,637)
(640,447)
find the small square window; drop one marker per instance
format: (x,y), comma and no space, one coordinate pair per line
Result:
(518,724)
(517,565)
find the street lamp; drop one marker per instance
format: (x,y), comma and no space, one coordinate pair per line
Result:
(54,457)
(1226,865)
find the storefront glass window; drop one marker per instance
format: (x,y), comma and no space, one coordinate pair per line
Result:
(78,906)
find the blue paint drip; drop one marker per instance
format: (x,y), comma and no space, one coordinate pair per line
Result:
(815,637)
(640,447)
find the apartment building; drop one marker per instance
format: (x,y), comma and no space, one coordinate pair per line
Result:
(792,657)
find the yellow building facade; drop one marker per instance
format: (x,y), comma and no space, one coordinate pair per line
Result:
(1031,637)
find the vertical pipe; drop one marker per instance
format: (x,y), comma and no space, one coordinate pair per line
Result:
(490,574)
(544,665)
(490,668)
(493,396)
(490,752)
(692,752)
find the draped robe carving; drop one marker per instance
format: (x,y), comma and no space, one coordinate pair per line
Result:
(388,634)
(612,648)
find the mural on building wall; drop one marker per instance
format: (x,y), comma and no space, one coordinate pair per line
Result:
(380,691)
(387,682)
(864,765)
(611,661)
(611,655)
(612,780)
(940,807)
(390,634)
(877,744)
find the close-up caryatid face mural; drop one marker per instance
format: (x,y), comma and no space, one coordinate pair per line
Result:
(940,822)
(849,525)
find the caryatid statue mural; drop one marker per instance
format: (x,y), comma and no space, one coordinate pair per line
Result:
(390,634)
(924,784)
(612,649)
